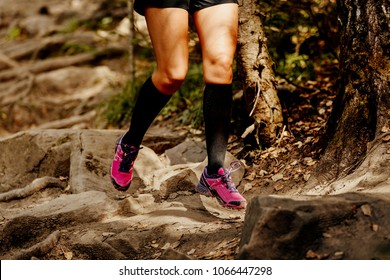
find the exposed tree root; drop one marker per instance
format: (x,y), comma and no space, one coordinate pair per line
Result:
(31,47)
(8,61)
(59,62)
(39,249)
(36,185)
(372,173)
(18,91)
(64,123)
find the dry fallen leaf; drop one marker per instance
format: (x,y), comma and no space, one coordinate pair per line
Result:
(309,161)
(385,129)
(366,209)
(248,187)
(275,154)
(264,156)
(191,252)
(277,177)
(262,173)
(278,187)
(68,255)
(299,144)
(375,227)
(313,255)
(308,139)
(327,235)
(251,176)
(329,103)
(306,177)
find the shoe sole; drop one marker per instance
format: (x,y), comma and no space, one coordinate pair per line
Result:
(212,193)
(117,186)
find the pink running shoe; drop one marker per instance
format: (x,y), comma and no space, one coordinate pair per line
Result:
(122,165)
(222,187)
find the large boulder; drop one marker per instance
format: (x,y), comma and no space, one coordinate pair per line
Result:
(347,226)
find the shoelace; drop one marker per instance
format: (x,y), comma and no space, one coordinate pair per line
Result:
(128,158)
(234,166)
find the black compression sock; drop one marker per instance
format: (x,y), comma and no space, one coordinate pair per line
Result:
(217,105)
(149,104)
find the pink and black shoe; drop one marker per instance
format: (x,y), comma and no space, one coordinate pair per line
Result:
(122,165)
(222,187)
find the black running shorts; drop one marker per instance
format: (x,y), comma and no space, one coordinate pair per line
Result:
(190,5)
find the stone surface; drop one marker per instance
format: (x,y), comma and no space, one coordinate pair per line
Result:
(187,152)
(347,226)
(159,217)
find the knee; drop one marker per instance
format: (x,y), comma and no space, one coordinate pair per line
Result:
(169,80)
(218,69)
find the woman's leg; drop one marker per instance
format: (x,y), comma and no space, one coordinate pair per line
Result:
(168,29)
(217,27)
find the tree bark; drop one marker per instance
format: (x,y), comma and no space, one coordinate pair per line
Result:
(360,119)
(258,78)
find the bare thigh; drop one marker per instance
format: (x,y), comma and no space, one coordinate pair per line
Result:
(217,27)
(168,30)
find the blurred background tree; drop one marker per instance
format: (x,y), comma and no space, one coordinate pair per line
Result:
(302,38)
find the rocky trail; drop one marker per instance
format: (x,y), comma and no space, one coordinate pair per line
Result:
(57,202)
(72,211)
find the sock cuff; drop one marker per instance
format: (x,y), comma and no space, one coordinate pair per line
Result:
(149,85)
(219,87)
(215,94)
(153,92)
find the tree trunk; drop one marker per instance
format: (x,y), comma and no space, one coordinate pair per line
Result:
(358,128)
(258,77)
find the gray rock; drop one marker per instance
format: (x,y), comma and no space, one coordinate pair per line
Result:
(348,226)
(182,180)
(187,152)
(92,153)
(26,156)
